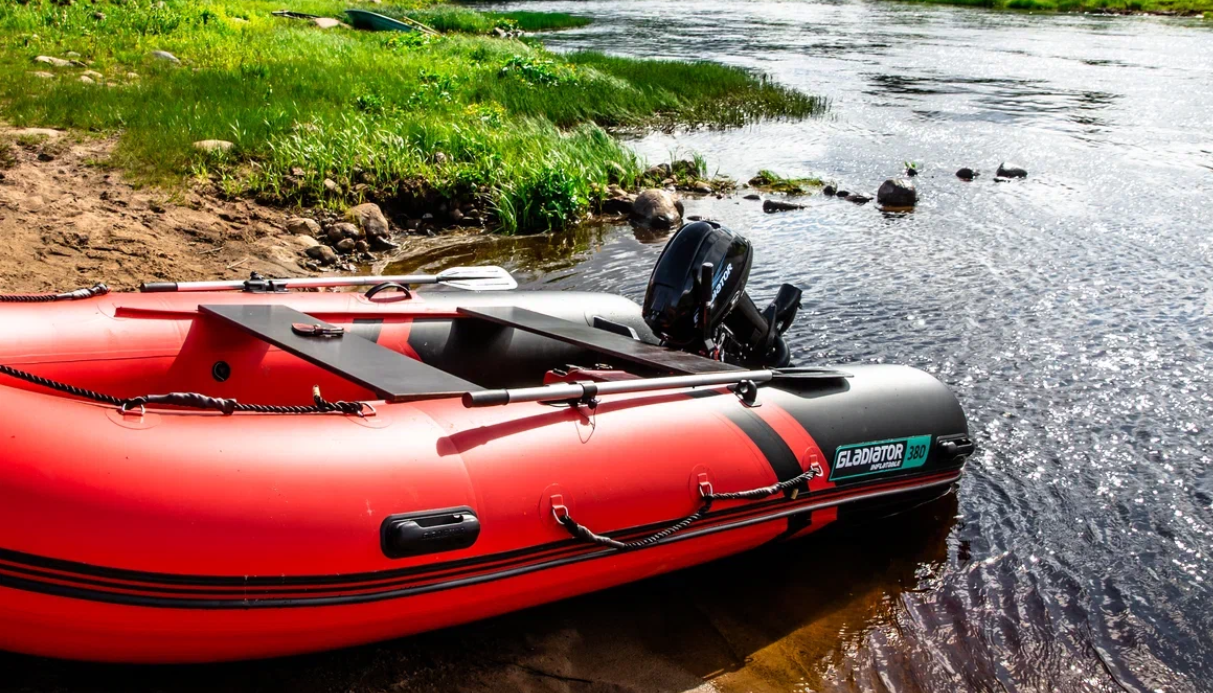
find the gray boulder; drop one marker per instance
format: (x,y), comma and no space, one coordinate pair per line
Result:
(369,218)
(1006,170)
(53,62)
(322,254)
(620,203)
(165,56)
(772,206)
(657,208)
(302,226)
(897,192)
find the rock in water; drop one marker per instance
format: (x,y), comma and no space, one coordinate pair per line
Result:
(657,208)
(214,145)
(346,245)
(897,192)
(753,196)
(966,173)
(772,206)
(369,218)
(858,198)
(1006,170)
(829,191)
(323,254)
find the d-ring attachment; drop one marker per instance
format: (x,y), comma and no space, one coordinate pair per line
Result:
(124,411)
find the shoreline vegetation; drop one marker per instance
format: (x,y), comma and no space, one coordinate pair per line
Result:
(300,115)
(1177,8)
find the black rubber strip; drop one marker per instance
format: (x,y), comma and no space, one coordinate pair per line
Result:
(367,328)
(783,461)
(341,600)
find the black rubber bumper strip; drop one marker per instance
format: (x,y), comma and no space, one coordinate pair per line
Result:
(31,584)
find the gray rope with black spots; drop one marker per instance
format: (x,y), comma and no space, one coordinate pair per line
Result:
(579,531)
(192,400)
(95,290)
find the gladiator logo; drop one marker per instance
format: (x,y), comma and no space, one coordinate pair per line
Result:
(862,459)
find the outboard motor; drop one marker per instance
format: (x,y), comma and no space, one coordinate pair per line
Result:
(696,300)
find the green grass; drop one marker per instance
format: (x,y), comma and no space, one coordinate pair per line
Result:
(1178,7)
(769,180)
(452,19)
(384,115)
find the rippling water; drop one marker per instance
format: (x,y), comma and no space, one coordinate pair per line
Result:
(1070,312)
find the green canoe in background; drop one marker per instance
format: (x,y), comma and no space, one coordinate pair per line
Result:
(361,19)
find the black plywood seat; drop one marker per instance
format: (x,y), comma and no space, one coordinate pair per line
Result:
(599,340)
(389,374)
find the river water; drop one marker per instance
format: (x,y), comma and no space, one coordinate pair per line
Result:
(1070,311)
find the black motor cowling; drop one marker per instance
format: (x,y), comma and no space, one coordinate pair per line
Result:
(696,299)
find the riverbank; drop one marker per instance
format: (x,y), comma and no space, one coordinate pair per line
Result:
(294,114)
(1176,8)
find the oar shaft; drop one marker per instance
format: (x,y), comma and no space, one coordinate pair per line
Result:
(573,391)
(301,282)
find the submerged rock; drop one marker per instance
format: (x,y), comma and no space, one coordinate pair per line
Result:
(772,206)
(967,173)
(858,198)
(657,208)
(1006,170)
(897,192)
(369,218)
(620,203)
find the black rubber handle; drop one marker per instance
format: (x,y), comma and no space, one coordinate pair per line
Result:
(157,287)
(433,531)
(486,398)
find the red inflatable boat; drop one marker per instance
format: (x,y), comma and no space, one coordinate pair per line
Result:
(212,475)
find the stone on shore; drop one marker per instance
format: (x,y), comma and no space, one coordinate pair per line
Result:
(165,56)
(213,145)
(369,218)
(1006,170)
(53,61)
(322,254)
(897,192)
(657,208)
(302,226)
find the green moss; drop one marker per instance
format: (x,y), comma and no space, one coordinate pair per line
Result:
(769,180)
